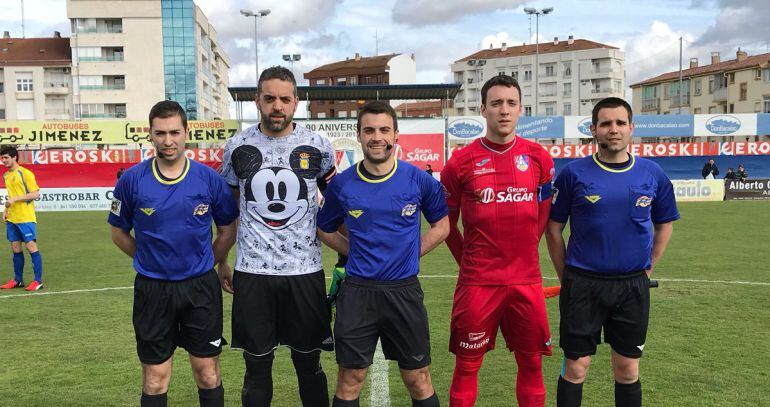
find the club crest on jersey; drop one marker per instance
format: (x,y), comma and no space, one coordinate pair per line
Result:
(644,201)
(592,198)
(521,162)
(115,206)
(200,210)
(356,213)
(408,210)
(147,211)
(304,160)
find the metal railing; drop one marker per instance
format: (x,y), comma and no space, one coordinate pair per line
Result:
(650,104)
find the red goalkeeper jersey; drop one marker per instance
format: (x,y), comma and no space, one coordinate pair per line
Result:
(497,189)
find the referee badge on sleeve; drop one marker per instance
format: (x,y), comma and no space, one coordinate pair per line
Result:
(115,206)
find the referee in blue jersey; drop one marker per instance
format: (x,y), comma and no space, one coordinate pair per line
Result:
(380,200)
(621,211)
(169,202)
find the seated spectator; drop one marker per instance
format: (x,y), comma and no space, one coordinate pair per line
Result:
(742,174)
(731,174)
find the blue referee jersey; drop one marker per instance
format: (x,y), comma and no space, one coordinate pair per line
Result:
(172,219)
(611,213)
(383,218)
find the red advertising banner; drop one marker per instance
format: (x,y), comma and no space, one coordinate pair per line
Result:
(421,150)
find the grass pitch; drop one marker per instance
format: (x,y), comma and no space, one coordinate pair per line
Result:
(708,343)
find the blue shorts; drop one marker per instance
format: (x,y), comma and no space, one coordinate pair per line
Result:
(21,232)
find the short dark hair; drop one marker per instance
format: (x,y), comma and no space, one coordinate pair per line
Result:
(9,151)
(168,108)
(276,72)
(499,80)
(377,107)
(610,103)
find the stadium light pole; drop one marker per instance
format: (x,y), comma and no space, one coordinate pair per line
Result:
(537,13)
(260,13)
(292,58)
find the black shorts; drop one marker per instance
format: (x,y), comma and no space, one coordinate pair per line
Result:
(186,313)
(287,310)
(589,302)
(392,311)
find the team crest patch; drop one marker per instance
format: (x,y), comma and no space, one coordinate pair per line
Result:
(408,210)
(200,210)
(593,198)
(304,160)
(147,211)
(644,201)
(521,162)
(115,206)
(356,213)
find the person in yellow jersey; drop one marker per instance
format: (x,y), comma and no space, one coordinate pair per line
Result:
(21,222)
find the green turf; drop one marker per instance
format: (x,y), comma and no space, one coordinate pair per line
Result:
(709,343)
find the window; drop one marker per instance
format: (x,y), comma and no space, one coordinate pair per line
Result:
(568,69)
(24,81)
(354,80)
(766,104)
(617,88)
(2,114)
(567,90)
(567,109)
(731,76)
(597,66)
(550,70)
(697,87)
(698,110)
(711,86)
(25,109)
(744,91)
(766,75)
(527,73)
(321,115)
(527,110)
(757,74)
(550,110)
(548,89)
(353,113)
(342,81)
(731,108)
(2,87)
(515,75)
(320,82)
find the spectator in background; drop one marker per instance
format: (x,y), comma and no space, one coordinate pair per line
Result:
(429,170)
(742,174)
(731,174)
(121,171)
(710,170)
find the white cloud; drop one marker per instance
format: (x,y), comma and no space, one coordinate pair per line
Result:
(426,12)
(654,52)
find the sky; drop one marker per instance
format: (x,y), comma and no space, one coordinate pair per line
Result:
(441,32)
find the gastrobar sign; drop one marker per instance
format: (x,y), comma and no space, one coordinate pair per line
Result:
(70,199)
(749,190)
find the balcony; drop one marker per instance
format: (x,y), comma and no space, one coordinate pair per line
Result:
(56,88)
(650,104)
(720,94)
(680,100)
(601,92)
(116,86)
(111,58)
(567,94)
(119,115)
(57,113)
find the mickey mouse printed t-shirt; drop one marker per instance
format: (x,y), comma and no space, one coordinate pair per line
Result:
(279,178)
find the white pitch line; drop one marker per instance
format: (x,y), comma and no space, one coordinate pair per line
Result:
(673,280)
(90,290)
(378,373)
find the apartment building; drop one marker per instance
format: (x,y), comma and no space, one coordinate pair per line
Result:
(571,75)
(35,81)
(391,69)
(740,85)
(129,54)
(429,108)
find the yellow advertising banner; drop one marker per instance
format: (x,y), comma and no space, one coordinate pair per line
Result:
(106,132)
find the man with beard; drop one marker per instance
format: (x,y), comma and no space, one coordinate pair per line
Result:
(170,202)
(621,211)
(379,201)
(276,169)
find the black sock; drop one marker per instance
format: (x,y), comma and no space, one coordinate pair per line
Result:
(154,400)
(212,397)
(431,401)
(258,380)
(337,402)
(313,390)
(628,395)
(568,394)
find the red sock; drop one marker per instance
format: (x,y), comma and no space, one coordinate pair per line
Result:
(530,389)
(465,382)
